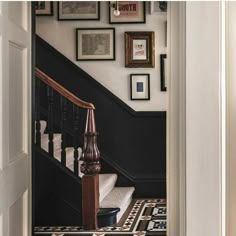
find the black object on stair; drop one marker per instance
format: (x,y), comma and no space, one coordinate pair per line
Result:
(107,216)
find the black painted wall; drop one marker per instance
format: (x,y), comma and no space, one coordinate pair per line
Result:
(57,193)
(133,144)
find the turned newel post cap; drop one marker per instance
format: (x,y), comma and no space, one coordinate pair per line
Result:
(90,122)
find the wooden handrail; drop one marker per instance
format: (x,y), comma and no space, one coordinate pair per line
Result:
(60,89)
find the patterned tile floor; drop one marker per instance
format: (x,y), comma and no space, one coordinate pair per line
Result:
(145,217)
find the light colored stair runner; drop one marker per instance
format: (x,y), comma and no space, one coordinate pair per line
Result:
(110,196)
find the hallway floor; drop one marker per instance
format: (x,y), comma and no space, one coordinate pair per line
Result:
(144,217)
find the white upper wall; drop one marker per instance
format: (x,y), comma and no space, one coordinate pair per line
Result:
(111,74)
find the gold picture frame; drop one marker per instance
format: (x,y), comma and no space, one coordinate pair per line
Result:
(140,49)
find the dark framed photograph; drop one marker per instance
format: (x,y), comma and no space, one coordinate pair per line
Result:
(43,8)
(127,12)
(140,49)
(95,44)
(163,73)
(157,7)
(78,10)
(140,87)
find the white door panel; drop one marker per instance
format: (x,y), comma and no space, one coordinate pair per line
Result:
(18,14)
(15,118)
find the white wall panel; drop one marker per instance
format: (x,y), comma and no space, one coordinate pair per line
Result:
(17,13)
(0,8)
(1,225)
(16,75)
(18,214)
(1,103)
(15,218)
(26,213)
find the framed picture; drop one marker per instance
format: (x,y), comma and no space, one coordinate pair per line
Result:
(95,44)
(166,33)
(140,87)
(139,49)
(163,72)
(78,10)
(43,8)
(157,7)
(129,12)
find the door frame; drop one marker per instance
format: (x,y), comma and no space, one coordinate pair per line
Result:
(15,166)
(230,118)
(33,105)
(177,159)
(176,123)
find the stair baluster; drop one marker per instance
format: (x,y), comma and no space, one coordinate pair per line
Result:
(37,113)
(91,168)
(50,93)
(76,139)
(63,129)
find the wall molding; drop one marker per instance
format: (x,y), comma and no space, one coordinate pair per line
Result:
(130,177)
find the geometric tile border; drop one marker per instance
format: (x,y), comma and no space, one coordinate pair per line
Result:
(146,217)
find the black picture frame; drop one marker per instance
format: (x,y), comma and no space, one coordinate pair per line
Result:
(140,17)
(43,8)
(158,7)
(77,15)
(140,86)
(95,44)
(163,72)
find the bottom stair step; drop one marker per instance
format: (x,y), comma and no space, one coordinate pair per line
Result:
(119,197)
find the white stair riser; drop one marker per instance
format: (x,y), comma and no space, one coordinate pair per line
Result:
(106,184)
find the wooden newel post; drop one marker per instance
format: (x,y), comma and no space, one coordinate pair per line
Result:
(91,168)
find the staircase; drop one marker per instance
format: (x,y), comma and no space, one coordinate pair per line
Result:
(109,195)
(112,200)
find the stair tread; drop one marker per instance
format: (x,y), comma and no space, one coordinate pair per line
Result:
(117,197)
(106,184)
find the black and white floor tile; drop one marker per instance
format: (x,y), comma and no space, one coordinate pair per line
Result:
(145,217)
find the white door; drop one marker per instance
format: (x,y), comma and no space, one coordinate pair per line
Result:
(15,118)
